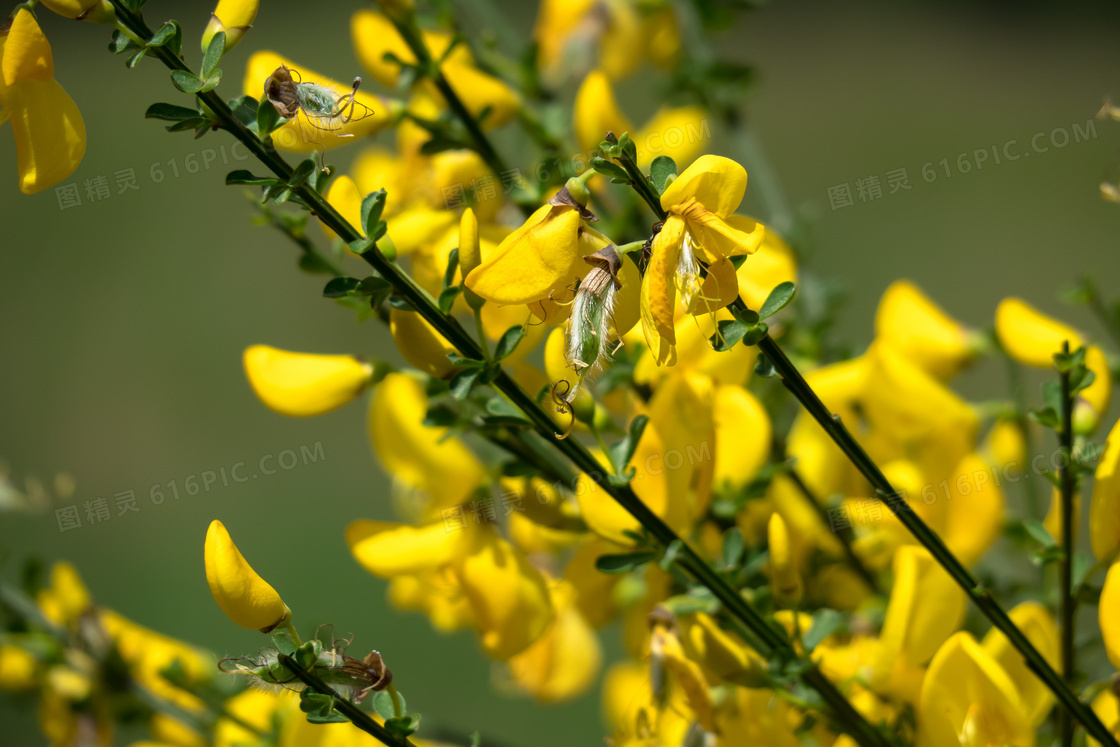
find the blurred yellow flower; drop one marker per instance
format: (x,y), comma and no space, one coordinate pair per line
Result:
(1029,336)
(1104,507)
(564,661)
(919,329)
(304,384)
(1038,625)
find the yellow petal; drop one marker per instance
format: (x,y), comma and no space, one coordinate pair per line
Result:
(659,292)
(680,133)
(621,37)
(86,10)
(27,53)
(66,598)
(1038,625)
(1029,336)
(1107,707)
(420,343)
(913,324)
(470,251)
(234,18)
(967,699)
(389,549)
(303,135)
(246,598)
(508,595)
(743,434)
(596,112)
(1053,521)
(1109,614)
(416,227)
(666,648)
(719,652)
(466,169)
(18,668)
(541,257)
(564,661)
(716,182)
(975,510)
(1093,400)
(303,384)
(49,131)
(343,195)
(926,607)
(719,289)
(594,589)
(773,263)
(420,457)
(1104,509)
(785,579)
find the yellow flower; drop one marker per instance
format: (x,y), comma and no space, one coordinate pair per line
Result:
(389,549)
(420,343)
(679,133)
(721,653)
(420,457)
(304,384)
(743,433)
(926,607)
(18,668)
(1109,614)
(1107,707)
(66,598)
(564,661)
(508,595)
(302,134)
(666,652)
(234,17)
(915,326)
(246,598)
(374,37)
(1053,520)
(785,578)
(1029,336)
(1038,625)
(255,708)
(969,701)
(49,131)
(764,270)
(1104,508)
(699,203)
(1093,400)
(97,11)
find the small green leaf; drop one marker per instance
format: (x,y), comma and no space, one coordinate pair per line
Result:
(623,451)
(166,33)
(214,52)
(624,562)
(463,382)
(672,553)
(825,623)
(373,284)
(627,148)
(403,727)
(1046,417)
(1039,533)
(170,112)
(764,367)
(339,287)
(732,547)
(135,57)
(283,642)
(501,413)
(730,332)
(452,267)
(245,109)
(360,246)
(120,43)
(301,172)
(268,119)
(447,298)
(247,177)
(660,170)
(372,207)
(509,342)
(186,82)
(755,333)
(383,704)
(607,168)
(211,81)
(778,299)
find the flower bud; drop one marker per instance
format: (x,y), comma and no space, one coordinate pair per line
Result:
(246,598)
(784,577)
(234,17)
(303,384)
(1109,614)
(97,11)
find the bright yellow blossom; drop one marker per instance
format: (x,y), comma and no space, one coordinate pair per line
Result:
(1109,614)
(234,17)
(245,597)
(1038,625)
(699,203)
(1104,508)
(49,131)
(919,329)
(304,384)
(565,660)
(1029,336)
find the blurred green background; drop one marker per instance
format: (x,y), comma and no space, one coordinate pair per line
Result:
(122,321)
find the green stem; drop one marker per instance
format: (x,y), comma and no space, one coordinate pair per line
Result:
(797,385)
(398,711)
(287,625)
(642,186)
(482,341)
(775,641)
(356,715)
(1068,606)
(481,144)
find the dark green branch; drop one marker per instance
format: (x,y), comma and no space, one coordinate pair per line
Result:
(1068,605)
